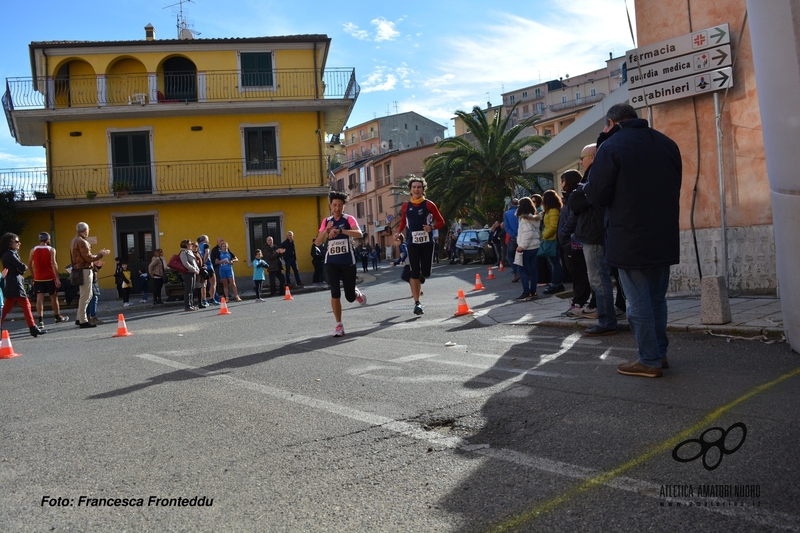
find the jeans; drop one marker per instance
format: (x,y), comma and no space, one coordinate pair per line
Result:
(646,294)
(291,266)
(528,275)
(511,251)
(600,279)
(556,272)
(91,310)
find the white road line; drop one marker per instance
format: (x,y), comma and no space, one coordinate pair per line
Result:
(642,488)
(414,357)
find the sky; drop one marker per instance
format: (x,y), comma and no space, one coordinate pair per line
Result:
(431,57)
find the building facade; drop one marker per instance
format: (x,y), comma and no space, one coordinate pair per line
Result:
(155,141)
(385,134)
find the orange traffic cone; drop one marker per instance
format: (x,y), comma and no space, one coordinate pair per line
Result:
(288,294)
(6,350)
(478,285)
(491,274)
(501,268)
(463,308)
(122,329)
(223,307)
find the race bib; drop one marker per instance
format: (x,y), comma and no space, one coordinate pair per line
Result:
(420,237)
(336,248)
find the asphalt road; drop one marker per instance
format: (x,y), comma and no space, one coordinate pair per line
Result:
(276,426)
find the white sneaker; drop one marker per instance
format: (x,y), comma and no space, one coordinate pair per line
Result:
(339,331)
(127,304)
(589,312)
(361,298)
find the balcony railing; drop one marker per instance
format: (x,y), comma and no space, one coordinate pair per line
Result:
(180,87)
(369,135)
(162,178)
(578,101)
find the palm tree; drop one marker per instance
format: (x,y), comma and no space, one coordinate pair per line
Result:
(472,178)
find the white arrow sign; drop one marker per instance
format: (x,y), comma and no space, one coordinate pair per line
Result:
(693,85)
(679,46)
(713,58)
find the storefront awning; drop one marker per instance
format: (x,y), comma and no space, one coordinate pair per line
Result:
(379,229)
(563,150)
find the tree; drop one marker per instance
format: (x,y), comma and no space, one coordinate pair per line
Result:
(472,178)
(8,214)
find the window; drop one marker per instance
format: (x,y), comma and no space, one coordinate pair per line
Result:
(261,151)
(379,176)
(563,99)
(406,126)
(388,172)
(380,204)
(360,211)
(512,98)
(548,133)
(578,97)
(416,127)
(524,94)
(539,108)
(538,93)
(259,229)
(340,185)
(593,92)
(130,161)
(525,109)
(256,69)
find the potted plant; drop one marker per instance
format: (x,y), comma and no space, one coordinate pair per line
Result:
(91,195)
(122,188)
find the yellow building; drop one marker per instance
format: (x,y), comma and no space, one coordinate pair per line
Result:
(155,141)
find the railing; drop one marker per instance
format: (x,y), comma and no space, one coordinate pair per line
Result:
(178,87)
(369,135)
(160,178)
(578,101)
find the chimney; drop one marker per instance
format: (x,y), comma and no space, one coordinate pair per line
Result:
(150,32)
(488,105)
(610,56)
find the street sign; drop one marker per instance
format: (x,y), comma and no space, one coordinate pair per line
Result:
(679,46)
(713,58)
(695,84)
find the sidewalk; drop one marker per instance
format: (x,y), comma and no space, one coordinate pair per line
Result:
(751,315)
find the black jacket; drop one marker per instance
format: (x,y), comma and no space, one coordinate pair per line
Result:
(636,176)
(273,257)
(290,255)
(589,228)
(15,282)
(567,220)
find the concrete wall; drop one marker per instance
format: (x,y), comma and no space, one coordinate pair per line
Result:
(751,251)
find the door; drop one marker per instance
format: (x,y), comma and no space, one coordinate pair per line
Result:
(180,80)
(135,245)
(130,160)
(260,229)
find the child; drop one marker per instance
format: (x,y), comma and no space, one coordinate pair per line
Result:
(258,273)
(144,280)
(127,283)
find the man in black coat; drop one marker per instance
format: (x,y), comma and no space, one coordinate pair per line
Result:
(636,176)
(290,259)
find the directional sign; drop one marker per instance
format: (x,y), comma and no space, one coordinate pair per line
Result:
(713,58)
(695,84)
(679,46)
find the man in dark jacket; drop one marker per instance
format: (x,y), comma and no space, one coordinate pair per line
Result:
(589,230)
(273,256)
(290,259)
(637,176)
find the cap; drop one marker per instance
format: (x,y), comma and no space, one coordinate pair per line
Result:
(44,236)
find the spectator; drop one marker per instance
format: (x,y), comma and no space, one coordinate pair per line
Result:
(225,261)
(363,255)
(373,255)
(258,273)
(205,258)
(552,209)
(290,259)
(14,289)
(127,284)
(44,271)
(190,264)
(572,250)
(273,256)
(511,223)
(637,176)
(144,281)
(83,259)
(318,260)
(201,278)
(91,309)
(156,270)
(528,245)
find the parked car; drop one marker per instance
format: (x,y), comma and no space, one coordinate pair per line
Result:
(473,244)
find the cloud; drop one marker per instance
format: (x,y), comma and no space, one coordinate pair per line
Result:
(385,30)
(352,30)
(18,161)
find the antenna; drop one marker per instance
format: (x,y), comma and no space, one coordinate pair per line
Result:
(184,31)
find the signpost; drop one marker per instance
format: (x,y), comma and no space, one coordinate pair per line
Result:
(713,58)
(679,46)
(704,82)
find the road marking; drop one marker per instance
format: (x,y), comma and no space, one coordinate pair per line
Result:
(414,357)
(606,478)
(592,478)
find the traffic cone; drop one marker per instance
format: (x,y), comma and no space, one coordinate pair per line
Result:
(6,350)
(463,308)
(122,329)
(491,274)
(501,268)
(478,285)
(223,307)
(288,294)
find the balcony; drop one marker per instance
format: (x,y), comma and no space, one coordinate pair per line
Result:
(30,102)
(144,183)
(369,135)
(577,102)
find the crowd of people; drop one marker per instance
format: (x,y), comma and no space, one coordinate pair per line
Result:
(608,226)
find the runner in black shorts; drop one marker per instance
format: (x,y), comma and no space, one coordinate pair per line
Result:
(419,218)
(340,258)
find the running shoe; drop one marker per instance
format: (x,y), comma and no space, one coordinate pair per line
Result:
(361,298)
(61,318)
(339,331)
(418,309)
(40,322)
